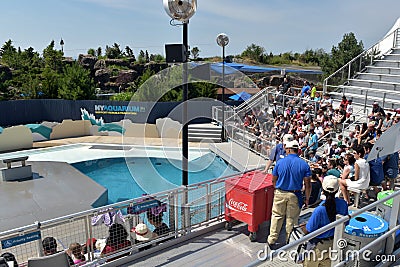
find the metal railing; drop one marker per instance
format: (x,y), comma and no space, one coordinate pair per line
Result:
(357,64)
(339,226)
(188,209)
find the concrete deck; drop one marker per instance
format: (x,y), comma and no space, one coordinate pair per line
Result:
(57,189)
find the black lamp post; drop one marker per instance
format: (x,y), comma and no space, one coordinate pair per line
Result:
(223,40)
(183,10)
(62,45)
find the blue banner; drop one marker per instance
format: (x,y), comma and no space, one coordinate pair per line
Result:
(141,207)
(15,241)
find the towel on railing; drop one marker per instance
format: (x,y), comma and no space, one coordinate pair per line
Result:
(108,218)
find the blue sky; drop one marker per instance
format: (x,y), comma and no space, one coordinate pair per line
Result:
(277,25)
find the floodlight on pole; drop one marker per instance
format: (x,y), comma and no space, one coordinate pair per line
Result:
(223,40)
(183,10)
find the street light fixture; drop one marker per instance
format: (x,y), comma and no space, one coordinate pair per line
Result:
(223,40)
(62,45)
(183,10)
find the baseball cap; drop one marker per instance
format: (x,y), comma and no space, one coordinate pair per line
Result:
(287,138)
(292,144)
(376,103)
(330,184)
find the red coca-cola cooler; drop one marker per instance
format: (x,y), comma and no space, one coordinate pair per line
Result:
(248,199)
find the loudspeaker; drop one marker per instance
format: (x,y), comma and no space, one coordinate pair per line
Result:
(175,53)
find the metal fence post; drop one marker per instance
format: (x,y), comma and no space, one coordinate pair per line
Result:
(39,242)
(383,100)
(185,209)
(172,210)
(365,101)
(339,229)
(208,202)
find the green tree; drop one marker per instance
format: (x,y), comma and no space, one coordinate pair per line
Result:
(254,52)
(114,51)
(195,52)
(52,57)
(98,52)
(141,57)
(202,89)
(346,50)
(50,83)
(76,83)
(8,54)
(147,57)
(91,52)
(128,52)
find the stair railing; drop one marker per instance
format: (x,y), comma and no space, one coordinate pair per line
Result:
(357,64)
(250,101)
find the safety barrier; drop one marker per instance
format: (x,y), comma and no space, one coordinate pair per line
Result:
(185,211)
(339,224)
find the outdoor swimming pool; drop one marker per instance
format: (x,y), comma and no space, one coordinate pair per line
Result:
(131,177)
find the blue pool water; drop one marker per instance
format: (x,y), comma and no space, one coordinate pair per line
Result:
(127,178)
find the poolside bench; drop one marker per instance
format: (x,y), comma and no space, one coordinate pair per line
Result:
(12,172)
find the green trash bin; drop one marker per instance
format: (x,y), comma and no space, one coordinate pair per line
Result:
(384,209)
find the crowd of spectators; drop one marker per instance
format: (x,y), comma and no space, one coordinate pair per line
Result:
(317,125)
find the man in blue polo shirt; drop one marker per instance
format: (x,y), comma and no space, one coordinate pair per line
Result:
(287,178)
(278,152)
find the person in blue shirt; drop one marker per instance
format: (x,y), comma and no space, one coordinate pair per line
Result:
(287,179)
(323,215)
(375,170)
(390,170)
(306,89)
(313,141)
(278,152)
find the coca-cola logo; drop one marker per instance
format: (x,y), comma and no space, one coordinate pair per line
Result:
(238,205)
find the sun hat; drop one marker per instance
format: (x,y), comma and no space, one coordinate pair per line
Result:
(287,138)
(142,232)
(292,144)
(330,184)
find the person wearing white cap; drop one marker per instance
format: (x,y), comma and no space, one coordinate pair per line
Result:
(323,215)
(278,152)
(287,178)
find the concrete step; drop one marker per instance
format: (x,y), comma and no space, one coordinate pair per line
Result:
(379,77)
(397,49)
(204,139)
(214,135)
(375,84)
(383,70)
(387,63)
(372,92)
(392,57)
(206,132)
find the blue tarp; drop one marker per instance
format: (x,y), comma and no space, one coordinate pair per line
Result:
(241,96)
(231,68)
